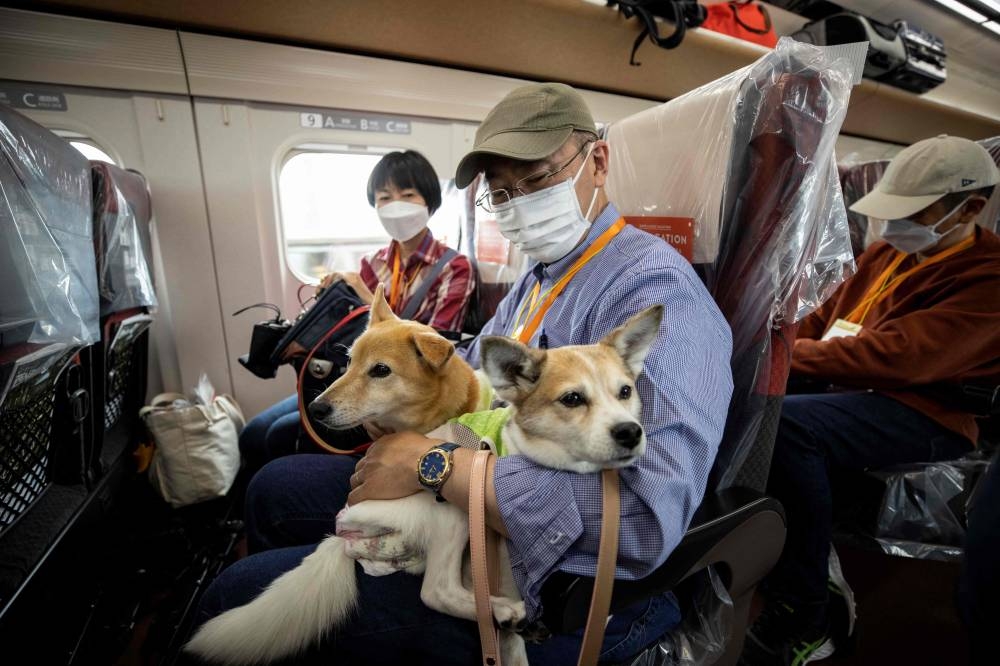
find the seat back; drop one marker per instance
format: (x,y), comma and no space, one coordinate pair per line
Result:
(990,217)
(48,315)
(122,216)
(771,240)
(857,180)
(494,259)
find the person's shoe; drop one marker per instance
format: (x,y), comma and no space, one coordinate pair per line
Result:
(843,611)
(785,636)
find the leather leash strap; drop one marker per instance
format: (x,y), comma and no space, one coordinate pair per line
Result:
(600,603)
(604,582)
(478,549)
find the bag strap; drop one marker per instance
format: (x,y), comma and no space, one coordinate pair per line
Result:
(417,299)
(478,534)
(232,410)
(600,602)
(683,13)
(161,401)
(303,417)
(757,31)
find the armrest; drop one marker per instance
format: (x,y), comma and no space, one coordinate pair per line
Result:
(737,527)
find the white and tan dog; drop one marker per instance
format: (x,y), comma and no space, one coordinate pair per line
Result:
(573,408)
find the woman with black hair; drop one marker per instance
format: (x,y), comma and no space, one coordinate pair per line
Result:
(405,192)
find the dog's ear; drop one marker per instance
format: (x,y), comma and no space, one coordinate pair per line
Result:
(633,339)
(513,369)
(433,348)
(380,309)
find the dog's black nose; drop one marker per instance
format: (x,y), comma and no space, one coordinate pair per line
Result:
(320,409)
(627,434)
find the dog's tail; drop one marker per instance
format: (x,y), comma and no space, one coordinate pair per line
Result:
(295,611)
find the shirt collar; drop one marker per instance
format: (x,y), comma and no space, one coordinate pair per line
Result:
(421,254)
(602,223)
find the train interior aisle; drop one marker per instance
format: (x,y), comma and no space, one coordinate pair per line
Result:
(168,166)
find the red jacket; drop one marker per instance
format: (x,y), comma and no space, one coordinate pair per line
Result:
(939,327)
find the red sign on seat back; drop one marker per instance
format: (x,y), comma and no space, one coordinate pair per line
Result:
(678,231)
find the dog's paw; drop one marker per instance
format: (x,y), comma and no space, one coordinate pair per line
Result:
(507,612)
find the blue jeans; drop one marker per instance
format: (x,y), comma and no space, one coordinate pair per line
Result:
(819,435)
(271,434)
(292,504)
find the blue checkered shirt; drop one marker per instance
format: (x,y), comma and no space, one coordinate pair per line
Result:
(553,517)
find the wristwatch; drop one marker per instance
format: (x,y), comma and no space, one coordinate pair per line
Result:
(434,467)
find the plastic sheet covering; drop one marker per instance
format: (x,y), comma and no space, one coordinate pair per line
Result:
(925,507)
(750,157)
(694,157)
(990,217)
(856,180)
(701,638)
(121,218)
(47,266)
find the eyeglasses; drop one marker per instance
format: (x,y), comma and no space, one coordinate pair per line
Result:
(527,185)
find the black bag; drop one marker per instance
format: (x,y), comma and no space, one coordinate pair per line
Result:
(683,14)
(317,347)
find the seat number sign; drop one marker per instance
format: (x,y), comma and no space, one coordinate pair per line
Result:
(358,122)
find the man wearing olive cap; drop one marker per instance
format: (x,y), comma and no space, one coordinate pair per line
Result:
(544,170)
(885,358)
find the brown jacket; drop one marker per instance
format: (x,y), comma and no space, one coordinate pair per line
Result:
(940,327)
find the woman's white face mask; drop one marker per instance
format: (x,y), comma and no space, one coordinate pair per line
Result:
(546,225)
(909,237)
(403,220)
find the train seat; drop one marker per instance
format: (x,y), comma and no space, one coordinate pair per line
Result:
(495,260)
(48,325)
(122,216)
(857,180)
(782,248)
(991,214)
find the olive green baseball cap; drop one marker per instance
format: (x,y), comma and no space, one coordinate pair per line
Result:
(530,123)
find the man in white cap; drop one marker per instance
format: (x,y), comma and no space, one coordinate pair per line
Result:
(885,358)
(545,170)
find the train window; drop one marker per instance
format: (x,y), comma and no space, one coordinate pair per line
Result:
(90,149)
(92,152)
(327,222)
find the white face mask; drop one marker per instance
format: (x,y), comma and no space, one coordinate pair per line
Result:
(403,220)
(909,237)
(546,225)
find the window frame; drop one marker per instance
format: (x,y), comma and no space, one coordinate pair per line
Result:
(313,147)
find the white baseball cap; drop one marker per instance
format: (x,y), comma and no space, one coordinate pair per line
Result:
(926,171)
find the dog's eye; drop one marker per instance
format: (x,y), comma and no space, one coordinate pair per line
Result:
(625,393)
(379,370)
(572,399)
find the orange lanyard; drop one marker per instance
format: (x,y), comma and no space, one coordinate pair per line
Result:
(886,284)
(396,290)
(535,310)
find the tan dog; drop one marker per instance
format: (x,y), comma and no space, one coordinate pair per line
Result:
(573,408)
(403,376)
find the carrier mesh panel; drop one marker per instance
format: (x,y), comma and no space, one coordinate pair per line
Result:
(119,380)
(26,418)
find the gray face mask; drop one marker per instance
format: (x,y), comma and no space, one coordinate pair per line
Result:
(909,237)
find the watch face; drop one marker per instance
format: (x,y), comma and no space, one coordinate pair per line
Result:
(432,466)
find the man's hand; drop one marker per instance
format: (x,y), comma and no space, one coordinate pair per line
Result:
(389,468)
